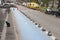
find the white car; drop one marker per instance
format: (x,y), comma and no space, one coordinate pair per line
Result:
(28,4)
(24,4)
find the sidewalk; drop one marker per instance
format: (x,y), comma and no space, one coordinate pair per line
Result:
(2,24)
(12,32)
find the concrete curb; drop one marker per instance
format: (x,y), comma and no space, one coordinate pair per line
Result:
(43,29)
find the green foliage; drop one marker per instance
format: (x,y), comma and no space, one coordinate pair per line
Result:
(35,1)
(45,1)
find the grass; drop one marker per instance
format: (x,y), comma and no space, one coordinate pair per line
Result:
(43,8)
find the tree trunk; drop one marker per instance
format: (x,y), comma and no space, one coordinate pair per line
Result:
(53,4)
(59,4)
(47,4)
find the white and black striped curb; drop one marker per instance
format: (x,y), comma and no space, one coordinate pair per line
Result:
(49,33)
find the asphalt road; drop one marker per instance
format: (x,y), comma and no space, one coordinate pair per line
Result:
(49,22)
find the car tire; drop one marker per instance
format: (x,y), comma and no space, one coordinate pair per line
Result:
(56,15)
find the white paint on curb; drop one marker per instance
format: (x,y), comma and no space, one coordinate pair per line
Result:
(53,37)
(41,28)
(46,32)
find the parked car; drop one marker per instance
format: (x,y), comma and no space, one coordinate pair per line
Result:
(24,4)
(28,4)
(49,11)
(33,5)
(53,12)
(18,3)
(57,13)
(8,5)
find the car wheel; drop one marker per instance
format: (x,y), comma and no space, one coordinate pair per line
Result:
(52,13)
(46,12)
(57,15)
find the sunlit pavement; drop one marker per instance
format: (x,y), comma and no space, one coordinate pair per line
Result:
(27,29)
(51,23)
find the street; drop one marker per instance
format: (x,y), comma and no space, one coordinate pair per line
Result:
(49,22)
(25,20)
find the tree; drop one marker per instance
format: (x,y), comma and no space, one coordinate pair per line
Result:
(35,1)
(53,3)
(58,3)
(45,2)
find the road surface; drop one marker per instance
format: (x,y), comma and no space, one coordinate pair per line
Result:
(49,22)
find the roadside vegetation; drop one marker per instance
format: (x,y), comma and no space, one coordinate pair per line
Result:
(43,4)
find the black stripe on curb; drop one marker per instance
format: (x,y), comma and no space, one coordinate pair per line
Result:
(43,29)
(49,33)
(39,26)
(35,23)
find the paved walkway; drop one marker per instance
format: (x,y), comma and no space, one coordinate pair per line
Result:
(2,21)
(12,31)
